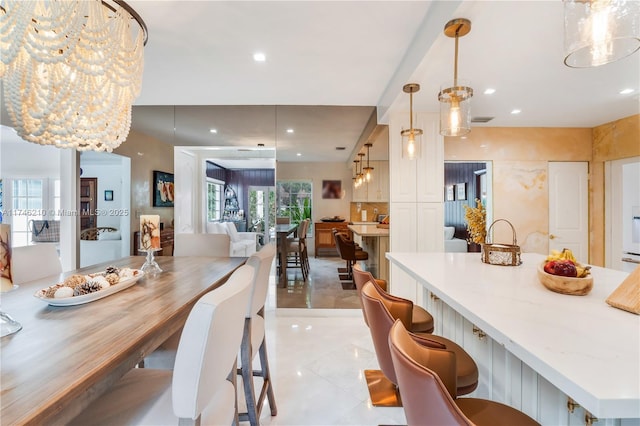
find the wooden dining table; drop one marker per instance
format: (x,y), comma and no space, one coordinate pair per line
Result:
(66,357)
(282,231)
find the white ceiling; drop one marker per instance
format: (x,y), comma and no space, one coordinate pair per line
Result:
(358,55)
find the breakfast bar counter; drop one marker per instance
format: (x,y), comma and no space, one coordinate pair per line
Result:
(375,241)
(536,350)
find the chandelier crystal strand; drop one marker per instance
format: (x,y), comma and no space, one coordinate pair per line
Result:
(71,71)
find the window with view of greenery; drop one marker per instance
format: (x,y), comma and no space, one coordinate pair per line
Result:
(294,200)
(214,200)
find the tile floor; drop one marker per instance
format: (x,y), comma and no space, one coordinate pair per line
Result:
(318,356)
(322,290)
(317,359)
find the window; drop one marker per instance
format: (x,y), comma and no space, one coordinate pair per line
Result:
(214,200)
(31,199)
(294,200)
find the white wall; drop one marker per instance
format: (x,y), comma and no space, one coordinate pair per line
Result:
(317,172)
(109,178)
(25,159)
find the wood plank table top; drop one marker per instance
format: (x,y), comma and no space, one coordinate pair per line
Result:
(66,357)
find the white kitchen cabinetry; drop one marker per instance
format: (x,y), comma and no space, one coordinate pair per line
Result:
(376,191)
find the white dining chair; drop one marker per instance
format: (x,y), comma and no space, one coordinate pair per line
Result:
(198,390)
(254,340)
(216,245)
(32,262)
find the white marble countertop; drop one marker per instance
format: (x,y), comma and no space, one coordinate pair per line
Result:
(369,230)
(586,348)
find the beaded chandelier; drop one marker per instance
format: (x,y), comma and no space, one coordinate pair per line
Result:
(71,70)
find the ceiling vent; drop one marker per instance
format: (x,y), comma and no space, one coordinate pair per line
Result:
(481,119)
(340,148)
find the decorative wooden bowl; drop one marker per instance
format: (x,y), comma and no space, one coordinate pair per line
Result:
(565,285)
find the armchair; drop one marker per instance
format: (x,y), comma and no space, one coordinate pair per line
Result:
(243,244)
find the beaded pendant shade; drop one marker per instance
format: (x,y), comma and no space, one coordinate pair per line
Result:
(71,70)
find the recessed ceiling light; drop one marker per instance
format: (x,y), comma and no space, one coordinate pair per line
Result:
(490,91)
(289,130)
(626,91)
(213,130)
(299,155)
(259,57)
(516,111)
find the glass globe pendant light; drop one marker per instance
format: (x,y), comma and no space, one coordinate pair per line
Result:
(455,100)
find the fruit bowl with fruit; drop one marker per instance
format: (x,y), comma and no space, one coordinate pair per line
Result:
(562,273)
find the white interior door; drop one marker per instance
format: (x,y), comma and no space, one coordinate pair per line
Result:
(569,208)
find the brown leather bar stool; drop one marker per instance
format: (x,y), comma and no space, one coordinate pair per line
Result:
(428,385)
(382,384)
(297,254)
(419,318)
(349,253)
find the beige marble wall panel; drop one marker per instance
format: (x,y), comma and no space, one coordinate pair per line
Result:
(147,154)
(521,143)
(611,141)
(618,139)
(596,213)
(521,197)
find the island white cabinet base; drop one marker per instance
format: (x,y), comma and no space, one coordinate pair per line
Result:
(536,350)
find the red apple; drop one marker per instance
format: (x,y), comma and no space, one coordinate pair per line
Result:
(565,268)
(549,267)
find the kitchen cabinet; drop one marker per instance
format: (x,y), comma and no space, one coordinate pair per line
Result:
(323,237)
(378,189)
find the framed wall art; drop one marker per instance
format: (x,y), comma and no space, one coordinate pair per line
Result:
(163,189)
(461,191)
(448,193)
(331,189)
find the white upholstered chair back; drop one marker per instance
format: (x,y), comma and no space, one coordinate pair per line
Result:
(209,344)
(30,263)
(201,245)
(261,262)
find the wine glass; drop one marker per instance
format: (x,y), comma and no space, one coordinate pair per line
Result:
(8,325)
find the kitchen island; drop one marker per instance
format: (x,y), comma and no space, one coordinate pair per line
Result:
(375,241)
(536,350)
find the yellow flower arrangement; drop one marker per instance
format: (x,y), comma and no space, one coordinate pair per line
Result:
(476,218)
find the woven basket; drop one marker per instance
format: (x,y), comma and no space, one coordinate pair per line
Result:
(501,254)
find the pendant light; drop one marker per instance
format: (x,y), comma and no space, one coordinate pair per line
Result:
(455,100)
(597,32)
(355,171)
(368,171)
(410,147)
(361,174)
(71,70)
